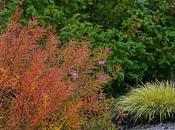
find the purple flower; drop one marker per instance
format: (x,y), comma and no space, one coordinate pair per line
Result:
(102,62)
(107,49)
(88,58)
(101,77)
(74,75)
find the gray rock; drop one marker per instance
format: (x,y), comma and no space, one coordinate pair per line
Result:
(155,127)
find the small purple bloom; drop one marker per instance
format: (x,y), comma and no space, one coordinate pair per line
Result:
(107,49)
(101,77)
(87,58)
(74,75)
(102,62)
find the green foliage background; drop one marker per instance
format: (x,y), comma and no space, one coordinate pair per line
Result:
(140,33)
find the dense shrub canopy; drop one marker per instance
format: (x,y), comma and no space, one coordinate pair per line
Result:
(139,32)
(46,86)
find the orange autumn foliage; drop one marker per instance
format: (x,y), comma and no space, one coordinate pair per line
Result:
(47,86)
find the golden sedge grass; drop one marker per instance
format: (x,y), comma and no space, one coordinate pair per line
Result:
(150,101)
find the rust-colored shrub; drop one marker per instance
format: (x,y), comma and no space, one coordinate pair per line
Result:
(47,86)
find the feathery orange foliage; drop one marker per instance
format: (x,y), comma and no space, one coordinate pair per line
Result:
(46,86)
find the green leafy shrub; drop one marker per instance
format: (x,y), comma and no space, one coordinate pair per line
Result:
(142,41)
(151,101)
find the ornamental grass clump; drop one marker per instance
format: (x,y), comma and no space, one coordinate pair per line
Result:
(151,102)
(47,86)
